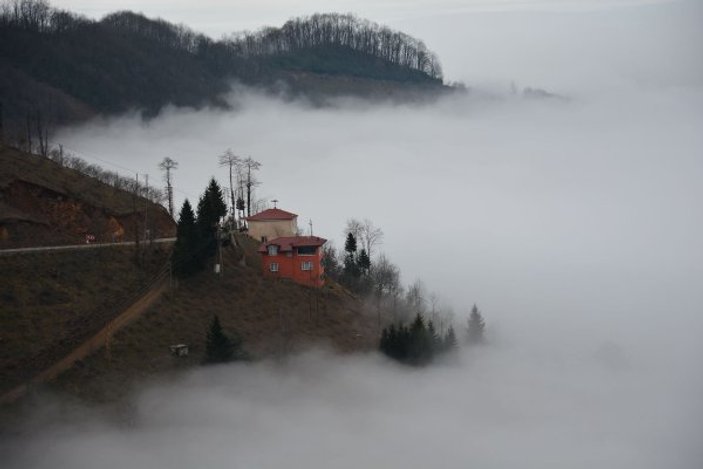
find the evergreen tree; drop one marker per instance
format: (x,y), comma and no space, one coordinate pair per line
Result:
(420,342)
(352,272)
(185,252)
(416,345)
(476,327)
(437,342)
(220,348)
(450,342)
(211,207)
(364,262)
(350,244)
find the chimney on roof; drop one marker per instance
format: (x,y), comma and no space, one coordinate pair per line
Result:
(275,201)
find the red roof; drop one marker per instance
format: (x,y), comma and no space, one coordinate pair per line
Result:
(272,214)
(287,243)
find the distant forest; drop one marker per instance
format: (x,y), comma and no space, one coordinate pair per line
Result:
(57,67)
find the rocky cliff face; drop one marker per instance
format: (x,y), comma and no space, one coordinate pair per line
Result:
(44,204)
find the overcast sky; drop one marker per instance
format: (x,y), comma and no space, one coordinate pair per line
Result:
(575,224)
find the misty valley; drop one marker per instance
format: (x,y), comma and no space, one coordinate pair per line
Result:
(429,234)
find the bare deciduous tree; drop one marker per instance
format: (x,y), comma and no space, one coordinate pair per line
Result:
(249,165)
(233,162)
(168,165)
(366,233)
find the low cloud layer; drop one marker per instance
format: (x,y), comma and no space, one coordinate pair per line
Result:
(575,224)
(498,407)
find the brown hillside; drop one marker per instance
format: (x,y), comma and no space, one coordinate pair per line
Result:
(52,301)
(273,317)
(45,204)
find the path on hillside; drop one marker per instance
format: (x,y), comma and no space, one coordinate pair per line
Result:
(70,247)
(96,342)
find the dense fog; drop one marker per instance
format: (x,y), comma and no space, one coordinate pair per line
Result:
(497,408)
(573,221)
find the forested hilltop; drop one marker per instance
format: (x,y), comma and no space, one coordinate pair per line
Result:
(57,67)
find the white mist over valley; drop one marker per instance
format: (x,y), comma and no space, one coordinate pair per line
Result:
(573,221)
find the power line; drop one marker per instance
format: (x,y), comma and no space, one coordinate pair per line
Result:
(124,168)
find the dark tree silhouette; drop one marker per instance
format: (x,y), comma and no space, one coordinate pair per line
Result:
(476,327)
(219,348)
(450,342)
(211,208)
(186,259)
(416,345)
(364,262)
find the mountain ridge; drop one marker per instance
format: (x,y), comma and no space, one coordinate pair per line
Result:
(60,68)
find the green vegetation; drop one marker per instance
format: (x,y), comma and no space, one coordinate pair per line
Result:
(220,348)
(418,344)
(58,67)
(185,263)
(211,209)
(415,327)
(196,236)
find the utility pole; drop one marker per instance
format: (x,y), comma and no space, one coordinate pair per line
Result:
(218,265)
(136,218)
(146,211)
(2,139)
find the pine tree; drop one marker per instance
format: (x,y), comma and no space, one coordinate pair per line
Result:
(350,244)
(476,327)
(420,347)
(211,207)
(364,262)
(450,342)
(219,348)
(352,272)
(185,252)
(437,343)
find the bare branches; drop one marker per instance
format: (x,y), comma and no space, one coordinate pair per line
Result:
(233,162)
(249,165)
(369,235)
(167,165)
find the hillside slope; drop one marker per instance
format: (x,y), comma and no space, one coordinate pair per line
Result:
(45,204)
(59,68)
(273,317)
(50,302)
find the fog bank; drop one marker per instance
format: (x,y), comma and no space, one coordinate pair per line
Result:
(490,408)
(575,225)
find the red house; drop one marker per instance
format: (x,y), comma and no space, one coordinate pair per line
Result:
(298,258)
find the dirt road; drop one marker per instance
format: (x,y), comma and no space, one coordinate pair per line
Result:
(69,247)
(96,342)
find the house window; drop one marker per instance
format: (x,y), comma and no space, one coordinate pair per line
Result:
(273,267)
(307,250)
(307,265)
(273,250)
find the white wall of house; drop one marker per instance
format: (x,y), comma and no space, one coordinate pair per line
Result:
(272,229)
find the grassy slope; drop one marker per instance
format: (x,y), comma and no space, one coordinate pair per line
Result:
(43,204)
(50,302)
(272,317)
(19,165)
